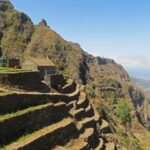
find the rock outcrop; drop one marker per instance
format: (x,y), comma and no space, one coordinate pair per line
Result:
(17,24)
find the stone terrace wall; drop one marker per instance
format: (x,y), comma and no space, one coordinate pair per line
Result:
(15,101)
(30,121)
(21,79)
(56,80)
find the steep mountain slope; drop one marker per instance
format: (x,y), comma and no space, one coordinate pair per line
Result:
(15,30)
(47,43)
(102,75)
(145,86)
(105,79)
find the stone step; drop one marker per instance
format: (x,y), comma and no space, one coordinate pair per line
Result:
(29,120)
(97,118)
(110,146)
(81,143)
(104,127)
(69,87)
(72,105)
(90,137)
(86,123)
(89,111)
(78,114)
(74,95)
(82,88)
(101,145)
(59,148)
(78,144)
(87,133)
(47,138)
(83,101)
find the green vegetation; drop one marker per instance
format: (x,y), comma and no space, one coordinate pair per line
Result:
(112,125)
(65,74)
(90,91)
(2,148)
(129,142)
(110,83)
(104,114)
(111,96)
(23,137)
(101,111)
(5,70)
(122,111)
(21,112)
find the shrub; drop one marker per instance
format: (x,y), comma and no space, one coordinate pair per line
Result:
(101,111)
(111,96)
(122,111)
(129,142)
(2,148)
(90,92)
(65,74)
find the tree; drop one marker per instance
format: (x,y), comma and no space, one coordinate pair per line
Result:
(122,111)
(90,91)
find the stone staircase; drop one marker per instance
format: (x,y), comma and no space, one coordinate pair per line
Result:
(44,121)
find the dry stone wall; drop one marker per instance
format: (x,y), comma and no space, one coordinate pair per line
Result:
(26,80)
(50,120)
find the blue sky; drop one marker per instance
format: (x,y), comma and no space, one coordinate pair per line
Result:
(118,29)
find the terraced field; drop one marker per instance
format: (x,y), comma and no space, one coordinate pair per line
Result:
(44,121)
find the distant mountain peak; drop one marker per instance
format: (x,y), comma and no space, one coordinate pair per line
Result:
(43,22)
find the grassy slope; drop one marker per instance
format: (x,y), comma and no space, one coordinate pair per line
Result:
(7,70)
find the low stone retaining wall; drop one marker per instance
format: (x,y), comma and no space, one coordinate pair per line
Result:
(21,79)
(49,140)
(30,121)
(56,81)
(69,88)
(17,101)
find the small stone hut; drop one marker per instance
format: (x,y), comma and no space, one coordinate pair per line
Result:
(45,66)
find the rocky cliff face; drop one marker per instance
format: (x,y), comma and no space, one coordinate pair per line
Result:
(15,30)
(145,86)
(101,74)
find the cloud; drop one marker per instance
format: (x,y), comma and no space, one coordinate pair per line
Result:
(134,61)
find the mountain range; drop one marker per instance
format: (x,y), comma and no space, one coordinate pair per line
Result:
(139,72)
(144,84)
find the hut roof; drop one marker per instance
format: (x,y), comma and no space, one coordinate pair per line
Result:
(43,62)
